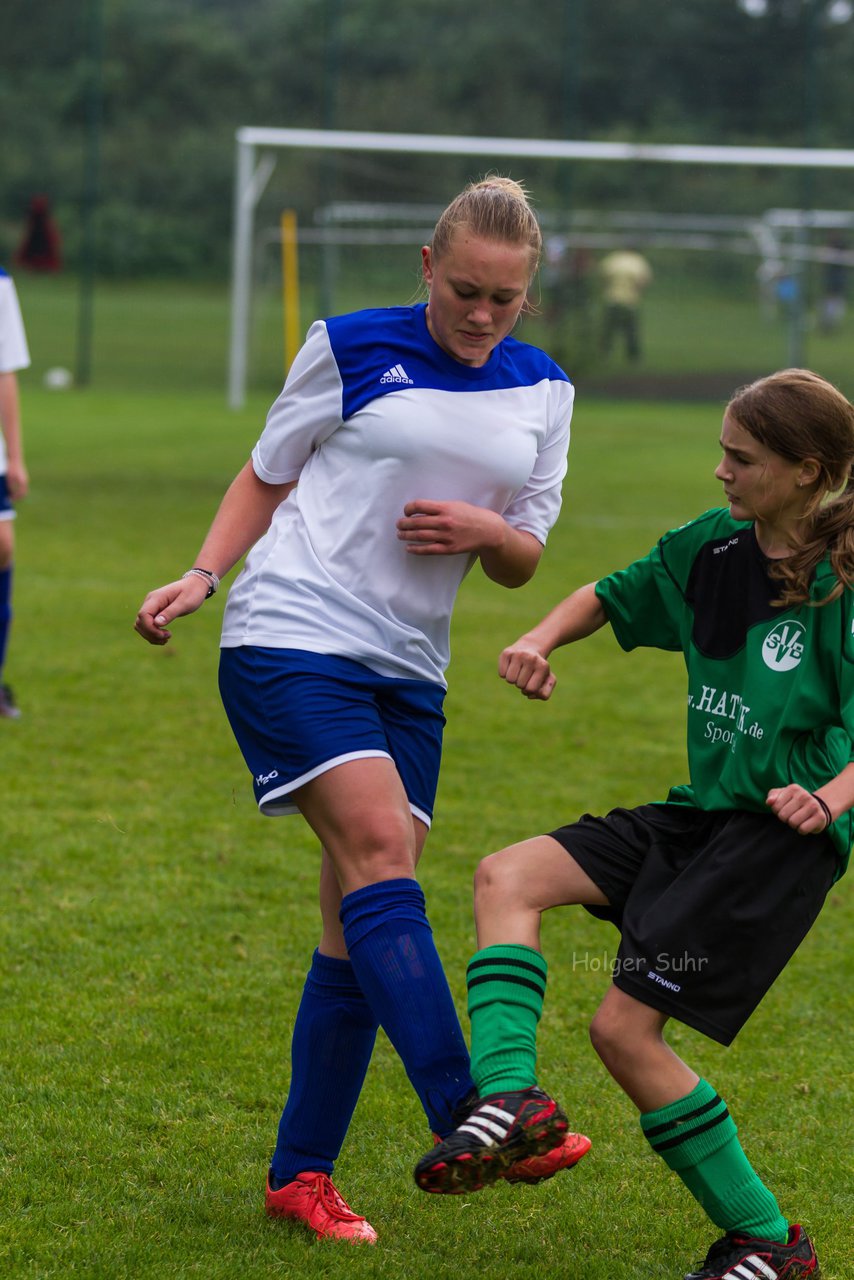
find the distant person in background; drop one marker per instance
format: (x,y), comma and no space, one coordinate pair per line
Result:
(14,482)
(768,274)
(554,277)
(833,300)
(581,268)
(40,248)
(788,291)
(565,278)
(626,275)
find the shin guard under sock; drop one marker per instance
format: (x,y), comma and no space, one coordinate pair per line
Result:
(696,1138)
(333,1039)
(395,959)
(506,988)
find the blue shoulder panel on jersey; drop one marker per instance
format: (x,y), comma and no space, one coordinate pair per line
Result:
(3,272)
(389,349)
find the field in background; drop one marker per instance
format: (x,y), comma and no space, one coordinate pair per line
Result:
(702,335)
(156,931)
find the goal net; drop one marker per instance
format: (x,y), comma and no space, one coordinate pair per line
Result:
(750,249)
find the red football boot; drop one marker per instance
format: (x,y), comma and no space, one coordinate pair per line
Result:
(312,1198)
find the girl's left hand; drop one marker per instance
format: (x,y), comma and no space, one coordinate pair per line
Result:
(798,808)
(448,528)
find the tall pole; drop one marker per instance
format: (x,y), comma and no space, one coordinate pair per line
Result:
(89,203)
(244,207)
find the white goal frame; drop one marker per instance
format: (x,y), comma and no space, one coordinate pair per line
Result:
(253,173)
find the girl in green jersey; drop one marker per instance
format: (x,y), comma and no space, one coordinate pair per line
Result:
(714,888)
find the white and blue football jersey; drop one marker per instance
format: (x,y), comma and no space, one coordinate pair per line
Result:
(14,354)
(373,415)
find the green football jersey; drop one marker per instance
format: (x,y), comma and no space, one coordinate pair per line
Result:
(770,690)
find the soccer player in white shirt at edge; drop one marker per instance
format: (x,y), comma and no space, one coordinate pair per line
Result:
(14,482)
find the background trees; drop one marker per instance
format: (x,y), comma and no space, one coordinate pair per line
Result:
(177,77)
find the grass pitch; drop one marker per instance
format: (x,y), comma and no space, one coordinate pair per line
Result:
(155,931)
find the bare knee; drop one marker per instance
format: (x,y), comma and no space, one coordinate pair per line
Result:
(608,1036)
(498,881)
(380,846)
(361,816)
(627,1034)
(628,1037)
(515,886)
(622,1039)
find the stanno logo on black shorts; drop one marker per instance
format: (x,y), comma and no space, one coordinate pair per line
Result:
(783,647)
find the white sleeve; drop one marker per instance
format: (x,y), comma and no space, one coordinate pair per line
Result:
(537,504)
(307,411)
(14,353)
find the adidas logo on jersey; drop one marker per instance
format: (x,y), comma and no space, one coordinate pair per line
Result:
(396,374)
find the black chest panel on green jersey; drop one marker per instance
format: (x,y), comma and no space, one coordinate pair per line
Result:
(729,590)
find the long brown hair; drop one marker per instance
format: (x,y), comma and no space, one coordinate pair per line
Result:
(800,415)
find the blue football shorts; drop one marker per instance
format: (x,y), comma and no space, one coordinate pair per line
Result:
(7,511)
(296,714)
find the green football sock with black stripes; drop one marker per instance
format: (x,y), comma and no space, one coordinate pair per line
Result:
(696,1138)
(506,988)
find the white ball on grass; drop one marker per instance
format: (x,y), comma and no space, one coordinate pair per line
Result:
(58,379)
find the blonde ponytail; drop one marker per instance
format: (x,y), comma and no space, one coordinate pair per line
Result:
(495,208)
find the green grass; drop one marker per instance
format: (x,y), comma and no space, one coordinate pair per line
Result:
(156,336)
(155,931)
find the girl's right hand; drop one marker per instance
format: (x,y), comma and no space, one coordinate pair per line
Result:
(522,665)
(161,606)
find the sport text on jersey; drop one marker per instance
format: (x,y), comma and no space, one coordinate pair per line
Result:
(782,650)
(729,708)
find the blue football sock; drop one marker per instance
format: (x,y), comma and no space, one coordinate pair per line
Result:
(5,612)
(395,959)
(333,1039)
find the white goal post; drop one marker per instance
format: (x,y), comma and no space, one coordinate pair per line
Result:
(253,172)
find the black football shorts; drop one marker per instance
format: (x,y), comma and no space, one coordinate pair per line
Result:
(710,906)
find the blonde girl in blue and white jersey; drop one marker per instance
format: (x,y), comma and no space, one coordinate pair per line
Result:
(407,444)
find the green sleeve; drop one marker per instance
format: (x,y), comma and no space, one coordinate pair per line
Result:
(644,604)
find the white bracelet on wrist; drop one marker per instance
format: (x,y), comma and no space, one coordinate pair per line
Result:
(207,575)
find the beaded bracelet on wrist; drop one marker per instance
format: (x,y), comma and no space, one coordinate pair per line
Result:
(207,575)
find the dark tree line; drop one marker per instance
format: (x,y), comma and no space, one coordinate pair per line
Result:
(177,77)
